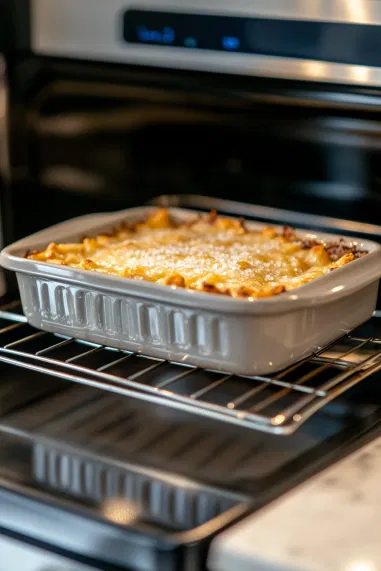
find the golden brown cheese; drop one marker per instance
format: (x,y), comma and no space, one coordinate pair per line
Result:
(210,254)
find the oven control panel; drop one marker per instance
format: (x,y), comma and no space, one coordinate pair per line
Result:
(338,42)
(322,41)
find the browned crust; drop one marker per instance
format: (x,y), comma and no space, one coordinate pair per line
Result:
(335,250)
(338,251)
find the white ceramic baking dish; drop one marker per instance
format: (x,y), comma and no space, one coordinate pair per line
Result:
(203,329)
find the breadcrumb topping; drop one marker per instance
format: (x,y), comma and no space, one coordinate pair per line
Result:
(211,253)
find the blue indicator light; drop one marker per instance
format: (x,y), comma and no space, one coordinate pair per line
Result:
(165,36)
(190,42)
(168,35)
(230,43)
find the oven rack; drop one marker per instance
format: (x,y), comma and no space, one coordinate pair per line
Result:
(276,404)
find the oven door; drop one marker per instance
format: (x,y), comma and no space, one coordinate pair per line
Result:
(20,555)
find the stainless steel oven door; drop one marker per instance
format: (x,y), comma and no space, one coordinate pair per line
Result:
(17,555)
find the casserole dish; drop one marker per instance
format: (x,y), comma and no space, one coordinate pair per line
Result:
(203,329)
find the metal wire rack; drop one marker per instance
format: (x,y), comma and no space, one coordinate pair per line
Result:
(277,404)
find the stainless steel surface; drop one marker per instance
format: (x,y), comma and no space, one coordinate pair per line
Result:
(71,527)
(75,29)
(349,11)
(277,404)
(19,556)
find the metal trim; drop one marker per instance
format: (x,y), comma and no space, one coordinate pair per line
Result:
(74,29)
(285,420)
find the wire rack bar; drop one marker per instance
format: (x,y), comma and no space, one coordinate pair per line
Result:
(277,404)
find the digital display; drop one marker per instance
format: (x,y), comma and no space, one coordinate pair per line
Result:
(356,44)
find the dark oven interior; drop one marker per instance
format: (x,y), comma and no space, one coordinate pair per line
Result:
(101,137)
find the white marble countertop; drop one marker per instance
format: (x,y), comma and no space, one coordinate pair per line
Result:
(330,523)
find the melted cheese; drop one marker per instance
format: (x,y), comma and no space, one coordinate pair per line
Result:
(211,254)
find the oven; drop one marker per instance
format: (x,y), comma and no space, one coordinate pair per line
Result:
(268,110)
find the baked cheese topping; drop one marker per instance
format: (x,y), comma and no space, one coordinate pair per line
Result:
(210,254)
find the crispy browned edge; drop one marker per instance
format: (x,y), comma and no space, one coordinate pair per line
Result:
(335,249)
